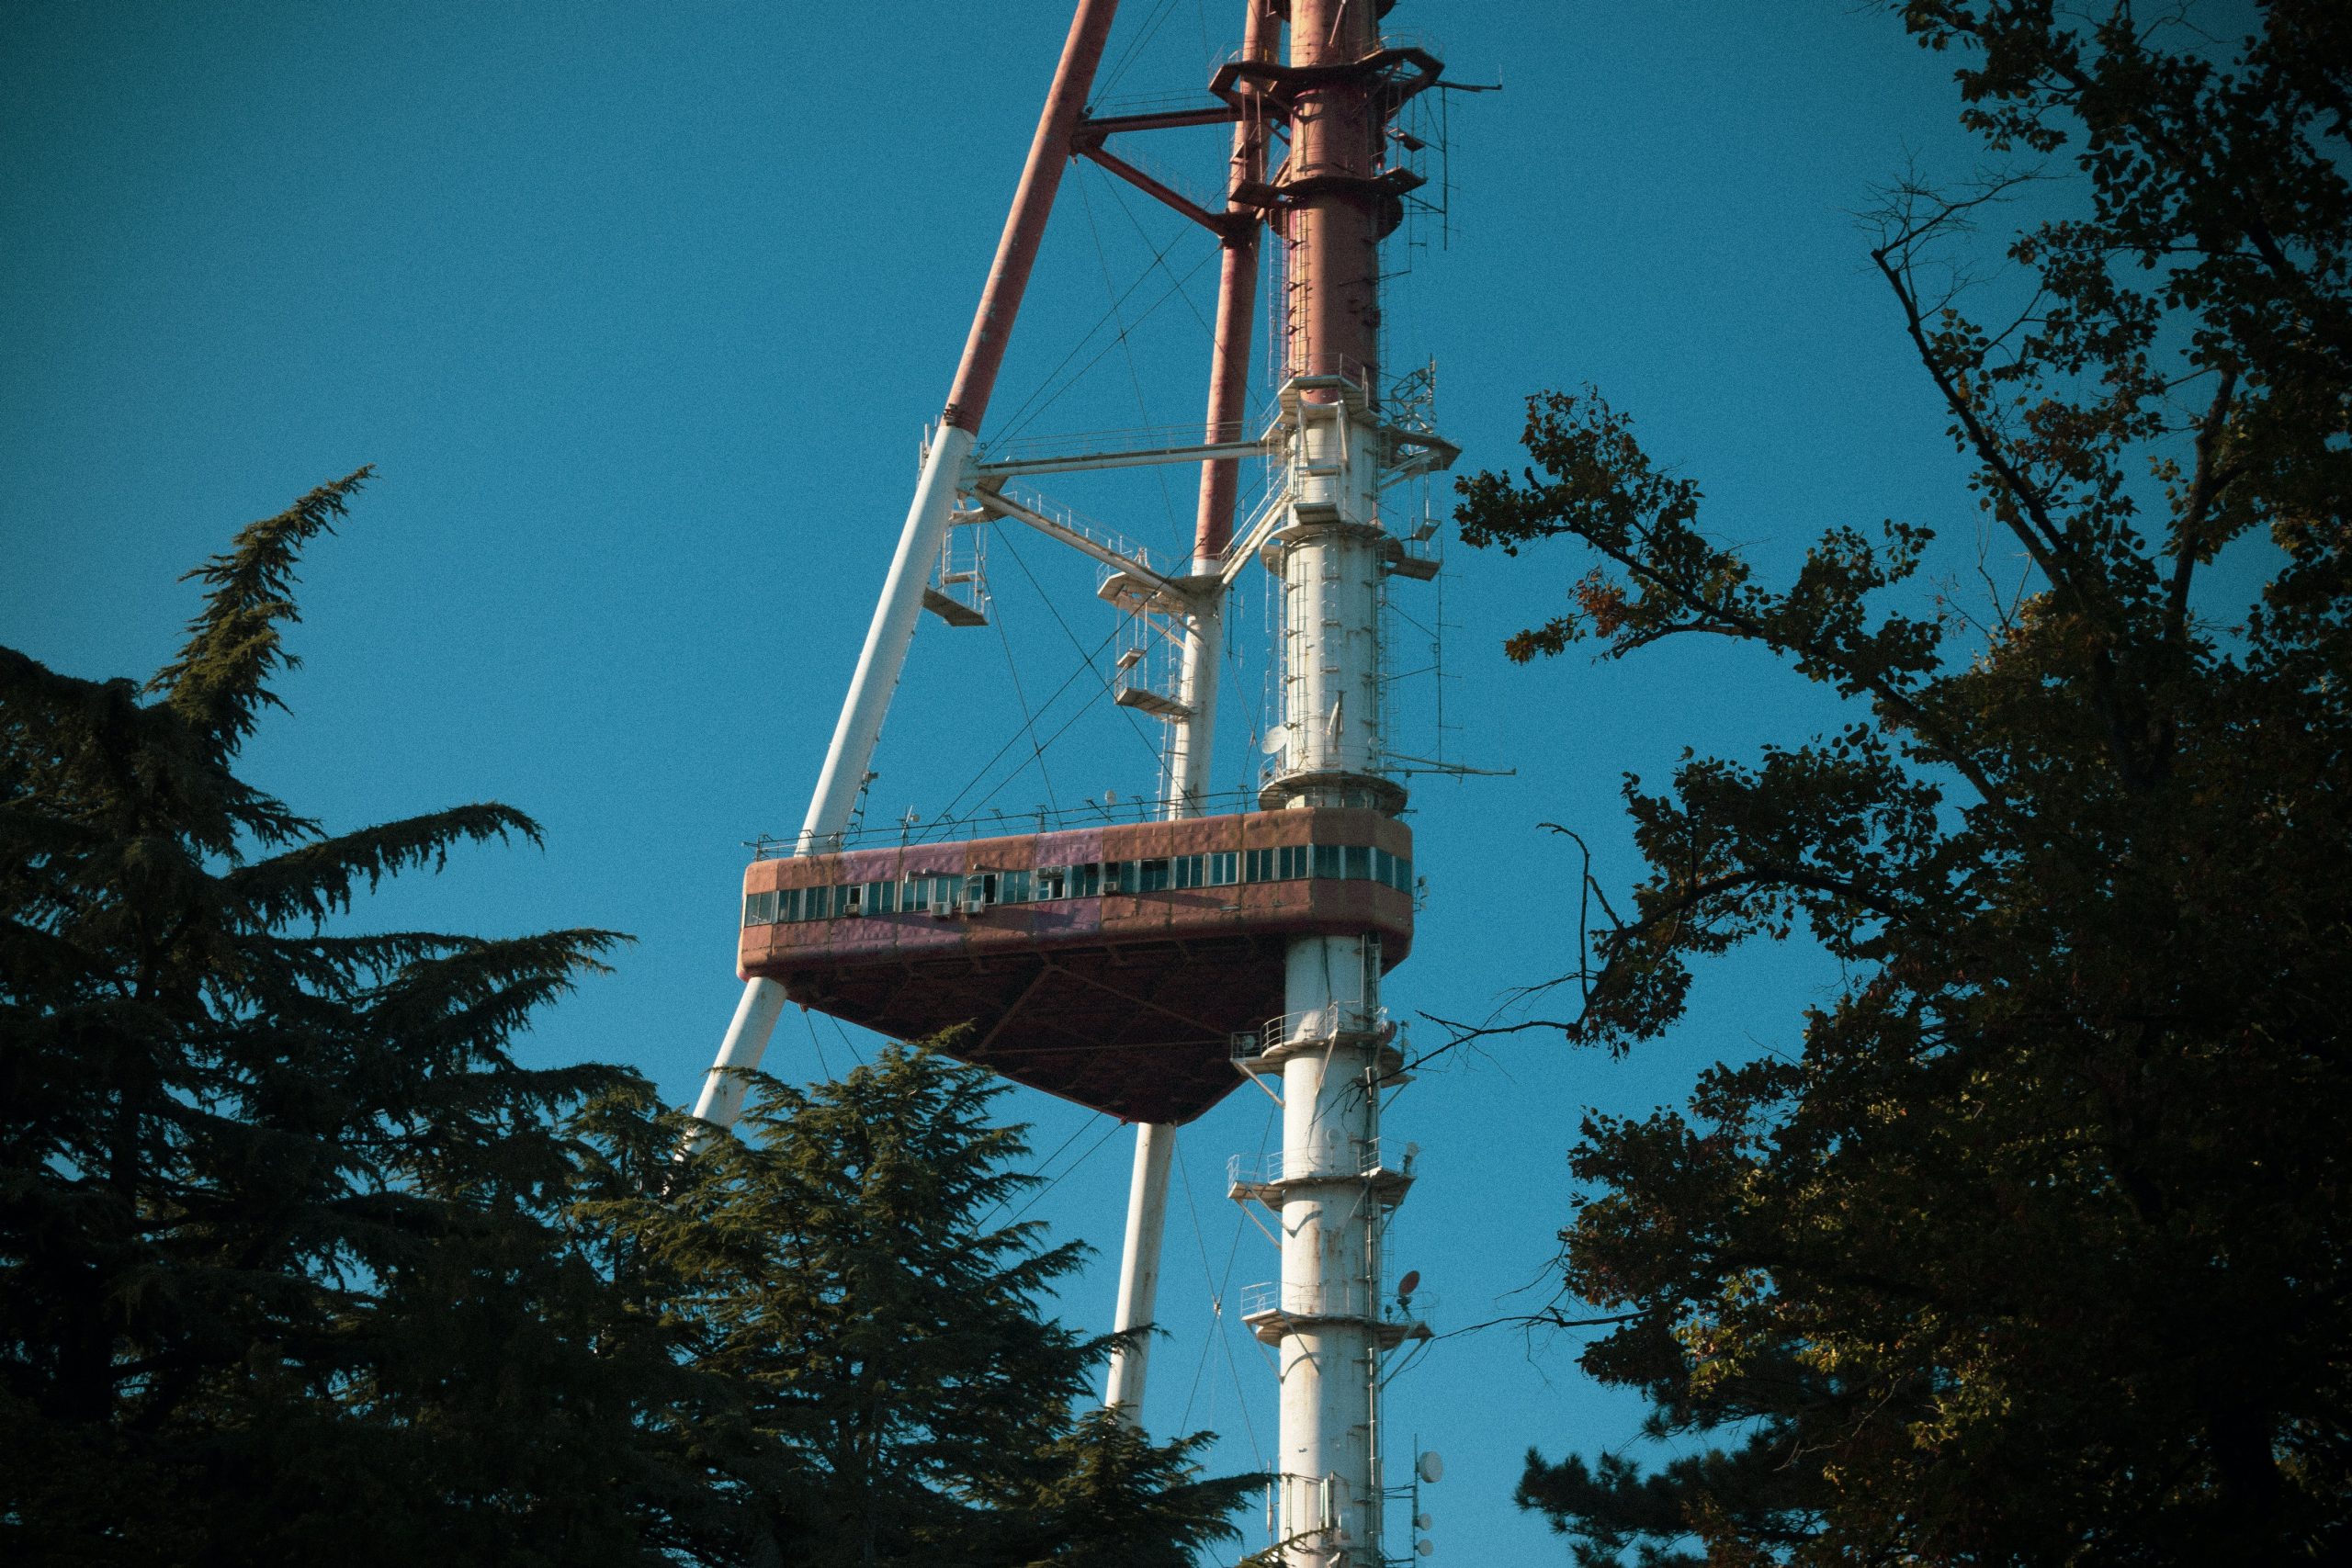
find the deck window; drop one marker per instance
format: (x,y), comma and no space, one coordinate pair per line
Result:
(945,892)
(1291,862)
(1256,865)
(881,897)
(758,909)
(1224,867)
(1359,860)
(1153,875)
(915,897)
(1328,861)
(1085,881)
(979,890)
(1013,887)
(1192,871)
(1053,882)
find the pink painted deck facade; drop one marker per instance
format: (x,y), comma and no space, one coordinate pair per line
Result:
(1110,966)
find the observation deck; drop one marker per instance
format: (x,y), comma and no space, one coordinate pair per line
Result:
(1111,965)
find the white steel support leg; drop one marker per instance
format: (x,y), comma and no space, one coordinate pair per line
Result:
(879,664)
(721,1099)
(884,656)
(1191,742)
(1330,1270)
(1188,770)
(1139,1267)
(1329,561)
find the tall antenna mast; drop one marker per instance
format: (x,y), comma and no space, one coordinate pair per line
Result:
(1335,198)
(1134,966)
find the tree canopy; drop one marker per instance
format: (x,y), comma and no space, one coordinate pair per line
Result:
(856,1264)
(2035,1251)
(297,1263)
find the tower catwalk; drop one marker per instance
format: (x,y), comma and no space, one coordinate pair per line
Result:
(1133,966)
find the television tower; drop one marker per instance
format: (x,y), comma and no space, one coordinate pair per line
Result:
(1135,967)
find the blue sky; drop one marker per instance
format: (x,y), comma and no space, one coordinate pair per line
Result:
(639,311)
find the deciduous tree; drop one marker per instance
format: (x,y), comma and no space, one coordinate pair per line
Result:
(2036,1252)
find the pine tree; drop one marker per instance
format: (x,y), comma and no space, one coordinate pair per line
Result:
(284,1270)
(856,1264)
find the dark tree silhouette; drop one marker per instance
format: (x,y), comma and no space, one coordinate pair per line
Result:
(2036,1253)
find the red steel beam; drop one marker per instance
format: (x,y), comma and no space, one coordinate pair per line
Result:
(1024,227)
(1154,189)
(1236,299)
(1111,125)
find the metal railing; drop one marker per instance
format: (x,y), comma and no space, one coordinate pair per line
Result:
(996,824)
(1311,1026)
(1350,1299)
(1079,524)
(1266,1170)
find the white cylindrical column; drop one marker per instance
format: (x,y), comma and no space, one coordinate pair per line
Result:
(1191,736)
(747,1039)
(1330,565)
(887,636)
(1139,1267)
(1188,782)
(1331,1269)
(879,664)
(1329,556)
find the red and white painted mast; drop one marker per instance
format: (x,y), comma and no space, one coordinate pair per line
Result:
(1322,535)
(1330,553)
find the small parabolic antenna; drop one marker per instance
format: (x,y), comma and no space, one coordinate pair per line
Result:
(1425,1548)
(1429,1467)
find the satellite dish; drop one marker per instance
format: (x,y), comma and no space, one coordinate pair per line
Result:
(1424,1547)
(1408,1284)
(1430,1467)
(1275,739)
(1421,1521)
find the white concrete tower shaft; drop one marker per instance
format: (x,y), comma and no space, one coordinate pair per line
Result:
(1328,555)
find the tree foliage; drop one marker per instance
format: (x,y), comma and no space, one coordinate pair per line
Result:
(299,1264)
(2036,1252)
(282,1220)
(857,1265)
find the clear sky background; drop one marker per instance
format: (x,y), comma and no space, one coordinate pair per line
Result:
(638,311)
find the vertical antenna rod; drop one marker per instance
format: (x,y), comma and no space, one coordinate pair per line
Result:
(1193,735)
(893,627)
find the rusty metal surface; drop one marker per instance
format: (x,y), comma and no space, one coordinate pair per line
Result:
(1024,227)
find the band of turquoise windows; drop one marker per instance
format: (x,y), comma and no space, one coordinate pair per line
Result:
(1049,884)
